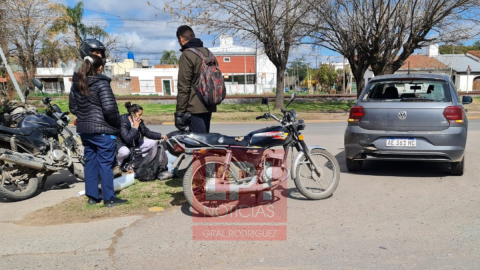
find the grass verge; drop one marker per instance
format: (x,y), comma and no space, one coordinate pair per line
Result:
(155,113)
(141,196)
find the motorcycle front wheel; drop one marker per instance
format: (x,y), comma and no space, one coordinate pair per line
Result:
(201,172)
(21,190)
(313,186)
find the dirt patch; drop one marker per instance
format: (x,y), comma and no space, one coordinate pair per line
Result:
(141,196)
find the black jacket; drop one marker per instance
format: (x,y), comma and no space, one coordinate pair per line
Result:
(98,113)
(131,136)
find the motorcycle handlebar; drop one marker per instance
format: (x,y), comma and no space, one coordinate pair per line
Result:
(260,117)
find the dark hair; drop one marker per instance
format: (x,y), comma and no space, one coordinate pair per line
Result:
(132,108)
(186,32)
(89,68)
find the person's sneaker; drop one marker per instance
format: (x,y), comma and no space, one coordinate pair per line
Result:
(113,202)
(165,175)
(93,201)
(117,171)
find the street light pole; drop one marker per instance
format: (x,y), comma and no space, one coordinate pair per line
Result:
(12,77)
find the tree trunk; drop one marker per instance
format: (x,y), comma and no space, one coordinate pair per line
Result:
(280,92)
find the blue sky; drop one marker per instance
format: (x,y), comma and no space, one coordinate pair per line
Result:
(135,22)
(151,30)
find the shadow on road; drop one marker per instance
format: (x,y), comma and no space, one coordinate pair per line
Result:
(62,176)
(398,168)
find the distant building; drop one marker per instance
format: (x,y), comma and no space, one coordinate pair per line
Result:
(246,71)
(55,80)
(422,64)
(464,69)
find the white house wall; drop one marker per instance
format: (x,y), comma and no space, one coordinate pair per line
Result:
(462,81)
(67,83)
(265,66)
(149,74)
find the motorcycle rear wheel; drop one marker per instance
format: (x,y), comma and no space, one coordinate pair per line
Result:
(323,186)
(13,193)
(194,187)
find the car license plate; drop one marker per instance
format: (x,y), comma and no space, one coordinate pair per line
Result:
(403,142)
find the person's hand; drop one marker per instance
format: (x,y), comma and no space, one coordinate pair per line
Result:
(136,122)
(164,137)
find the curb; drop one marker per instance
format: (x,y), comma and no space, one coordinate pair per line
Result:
(258,122)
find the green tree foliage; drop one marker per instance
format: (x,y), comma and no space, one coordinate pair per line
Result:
(71,24)
(169,58)
(298,68)
(326,76)
(459,49)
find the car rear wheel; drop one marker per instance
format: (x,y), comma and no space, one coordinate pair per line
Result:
(457,168)
(354,165)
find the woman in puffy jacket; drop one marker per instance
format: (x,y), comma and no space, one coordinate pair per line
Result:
(98,122)
(134,133)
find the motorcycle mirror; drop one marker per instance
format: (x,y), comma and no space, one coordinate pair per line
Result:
(38,84)
(291,99)
(265,102)
(27,91)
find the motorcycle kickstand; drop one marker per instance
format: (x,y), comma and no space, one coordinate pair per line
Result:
(44,180)
(228,159)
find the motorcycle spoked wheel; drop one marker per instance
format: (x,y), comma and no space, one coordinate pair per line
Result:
(194,187)
(25,189)
(311,185)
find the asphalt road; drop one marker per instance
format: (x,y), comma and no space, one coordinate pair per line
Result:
(392,215)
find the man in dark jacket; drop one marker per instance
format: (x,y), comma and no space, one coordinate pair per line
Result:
(189,75)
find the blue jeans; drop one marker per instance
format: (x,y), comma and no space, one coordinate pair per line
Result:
(100,155)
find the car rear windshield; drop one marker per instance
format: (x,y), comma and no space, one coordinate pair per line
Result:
(407,91)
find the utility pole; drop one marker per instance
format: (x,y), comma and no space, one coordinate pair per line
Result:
(344,86)
(12,77)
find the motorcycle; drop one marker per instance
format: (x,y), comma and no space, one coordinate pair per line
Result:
(250,164)
(40,144)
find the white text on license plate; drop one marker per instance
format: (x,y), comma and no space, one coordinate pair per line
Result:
(402,142)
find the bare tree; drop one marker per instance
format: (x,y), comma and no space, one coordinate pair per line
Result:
(28,23)
(277,24)
(382,34)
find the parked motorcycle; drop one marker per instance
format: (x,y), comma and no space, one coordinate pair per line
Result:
(40,144)
(245,165)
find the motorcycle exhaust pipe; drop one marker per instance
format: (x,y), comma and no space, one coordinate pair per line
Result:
(22,161)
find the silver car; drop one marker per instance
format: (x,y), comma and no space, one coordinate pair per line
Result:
(408,117)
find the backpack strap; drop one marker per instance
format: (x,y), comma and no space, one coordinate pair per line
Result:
(197,52)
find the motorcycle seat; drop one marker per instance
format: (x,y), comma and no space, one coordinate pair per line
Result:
(16,131)
(220,139)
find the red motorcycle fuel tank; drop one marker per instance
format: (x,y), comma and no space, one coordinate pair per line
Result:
(269,137)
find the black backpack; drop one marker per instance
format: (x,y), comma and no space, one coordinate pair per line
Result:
(146,168)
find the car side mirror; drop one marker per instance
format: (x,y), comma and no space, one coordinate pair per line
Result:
(38,84)
(467,100)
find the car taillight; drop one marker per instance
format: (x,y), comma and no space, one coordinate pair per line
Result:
(356,114)
(75,122)
(454,114)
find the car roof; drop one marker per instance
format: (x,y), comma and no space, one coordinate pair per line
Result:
(411,76)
